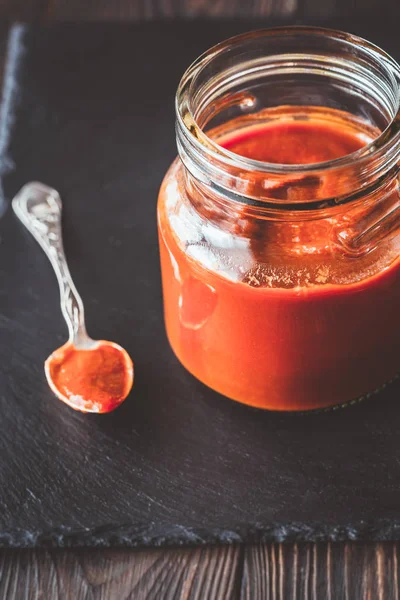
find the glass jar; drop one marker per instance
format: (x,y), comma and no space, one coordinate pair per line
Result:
(281,278)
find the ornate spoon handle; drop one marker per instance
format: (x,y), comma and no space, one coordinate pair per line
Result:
(39,208)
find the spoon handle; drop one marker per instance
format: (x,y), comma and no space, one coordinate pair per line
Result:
(39,208)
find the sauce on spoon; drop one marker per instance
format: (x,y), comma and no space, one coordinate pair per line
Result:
(96,380)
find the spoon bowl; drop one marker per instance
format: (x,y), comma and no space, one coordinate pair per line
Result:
(80,399)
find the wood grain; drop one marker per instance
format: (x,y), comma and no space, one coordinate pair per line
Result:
(22,10)
(197,574)
(321,571)
(136,9)
(91,10)
(340,8)
(265,572)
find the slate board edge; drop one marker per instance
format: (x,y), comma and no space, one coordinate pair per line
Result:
(9,101)
(116,535)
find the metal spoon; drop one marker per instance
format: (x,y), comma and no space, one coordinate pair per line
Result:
(39,208)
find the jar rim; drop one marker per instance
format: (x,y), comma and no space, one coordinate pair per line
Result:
(384,141)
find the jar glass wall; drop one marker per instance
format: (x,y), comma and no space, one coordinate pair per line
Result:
(279,221)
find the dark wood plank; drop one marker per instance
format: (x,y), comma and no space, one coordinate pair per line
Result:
(85,574)
(23,10)
(336,8)
(349,571)
(38,10)
(321,571)
(136,9)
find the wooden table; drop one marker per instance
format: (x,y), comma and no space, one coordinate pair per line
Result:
(270,572)
(348,571)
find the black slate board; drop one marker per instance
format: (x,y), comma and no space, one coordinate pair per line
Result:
(91,113)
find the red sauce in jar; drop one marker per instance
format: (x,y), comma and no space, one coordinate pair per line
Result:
(272,341)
